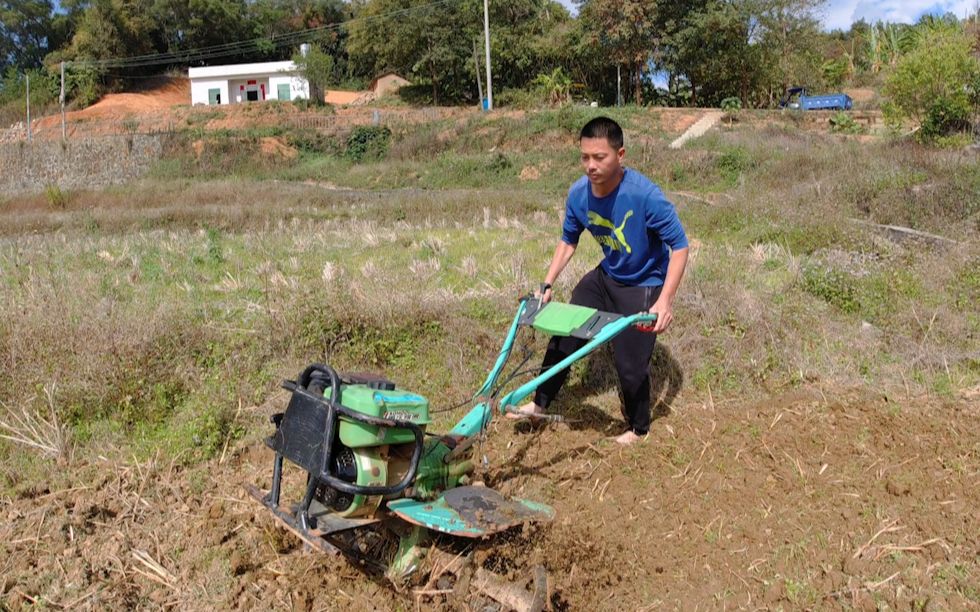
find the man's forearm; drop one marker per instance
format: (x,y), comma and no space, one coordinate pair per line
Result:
(675,272)
(563,254)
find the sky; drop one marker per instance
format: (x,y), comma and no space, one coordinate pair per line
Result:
(840,14)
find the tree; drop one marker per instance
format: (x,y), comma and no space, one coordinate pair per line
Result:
(789,36)
(623,32)
(524,39)
(713,50)
(932,83)
(431,45)
(63,25)
(115,29)
(25,31)
(317,67)
(193,24)
(281,17)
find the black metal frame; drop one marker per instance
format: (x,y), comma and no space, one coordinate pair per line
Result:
(307,402)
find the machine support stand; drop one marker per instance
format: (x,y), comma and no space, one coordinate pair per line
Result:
(276,481)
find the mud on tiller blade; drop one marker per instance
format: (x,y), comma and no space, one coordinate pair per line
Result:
(471,512)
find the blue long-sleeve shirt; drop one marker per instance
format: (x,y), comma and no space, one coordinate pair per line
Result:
(635,225)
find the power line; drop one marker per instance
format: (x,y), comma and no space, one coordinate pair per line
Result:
(241,47)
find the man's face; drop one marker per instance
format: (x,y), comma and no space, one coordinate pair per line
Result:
(600,161)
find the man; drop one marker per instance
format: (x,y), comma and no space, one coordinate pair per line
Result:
(645,252)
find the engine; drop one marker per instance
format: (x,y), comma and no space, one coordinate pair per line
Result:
(375,430)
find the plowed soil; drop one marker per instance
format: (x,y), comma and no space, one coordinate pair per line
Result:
(822,499)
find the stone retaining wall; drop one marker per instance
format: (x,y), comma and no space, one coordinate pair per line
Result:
(79,163)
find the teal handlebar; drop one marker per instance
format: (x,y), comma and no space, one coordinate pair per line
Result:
(477,419)
(606,334)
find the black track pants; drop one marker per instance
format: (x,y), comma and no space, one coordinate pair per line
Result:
(632,349)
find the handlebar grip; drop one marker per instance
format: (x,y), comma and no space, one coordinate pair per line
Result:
(646,325)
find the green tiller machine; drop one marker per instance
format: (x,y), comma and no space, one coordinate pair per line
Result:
(371,465)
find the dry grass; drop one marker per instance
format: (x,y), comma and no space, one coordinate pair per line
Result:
(170,302)
(38,429)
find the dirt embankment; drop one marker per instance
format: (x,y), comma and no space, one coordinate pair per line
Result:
(115,109)
(166,106)
(818,499)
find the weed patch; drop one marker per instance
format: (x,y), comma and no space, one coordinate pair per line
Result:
(368,143)
(733,163)
(57,198)
(835,287)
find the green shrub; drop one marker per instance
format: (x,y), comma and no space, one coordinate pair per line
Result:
(733,163)
(13,89)
(311,141)
(731,106)
(731,103)
(83,84)
(835,72)
(516,98)
(931,83)
(554,87)
(842,122)
(499,162)
(368,142)
(416,95)
(569,119)
(832,286)
(965,287)
(56,197)
(946,116)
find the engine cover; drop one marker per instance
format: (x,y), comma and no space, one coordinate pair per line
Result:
(394,404)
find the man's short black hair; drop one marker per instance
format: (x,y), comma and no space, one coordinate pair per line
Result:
(604,127)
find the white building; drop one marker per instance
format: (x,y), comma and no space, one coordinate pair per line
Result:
(237,83)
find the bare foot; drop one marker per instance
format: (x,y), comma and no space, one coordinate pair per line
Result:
(629,438)
(527,411)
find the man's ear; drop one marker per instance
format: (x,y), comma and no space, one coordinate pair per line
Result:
(621,153)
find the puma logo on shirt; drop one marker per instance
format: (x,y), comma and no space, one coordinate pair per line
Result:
(617,241)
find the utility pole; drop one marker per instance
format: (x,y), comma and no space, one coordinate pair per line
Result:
(28,78)
(476,63)
(619,81)
(486,36)
(61,99)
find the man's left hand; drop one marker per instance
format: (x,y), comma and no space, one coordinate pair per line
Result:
(665,315)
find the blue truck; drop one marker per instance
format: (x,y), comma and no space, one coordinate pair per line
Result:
(797,98)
